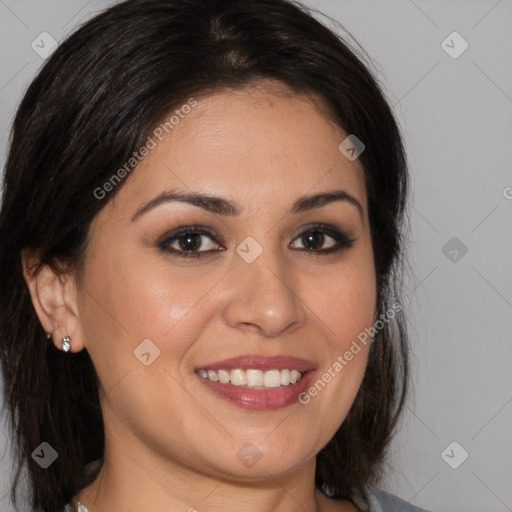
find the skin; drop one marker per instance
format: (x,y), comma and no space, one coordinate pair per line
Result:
(171,444)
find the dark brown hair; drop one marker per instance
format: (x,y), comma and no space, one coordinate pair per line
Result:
(90,107)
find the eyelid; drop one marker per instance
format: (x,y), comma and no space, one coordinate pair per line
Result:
(326,228)
(171,236)
(189,228)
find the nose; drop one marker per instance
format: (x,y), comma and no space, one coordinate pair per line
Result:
(264,297)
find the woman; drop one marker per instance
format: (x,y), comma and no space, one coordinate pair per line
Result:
(202,226)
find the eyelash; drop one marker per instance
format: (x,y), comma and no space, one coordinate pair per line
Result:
(342,239)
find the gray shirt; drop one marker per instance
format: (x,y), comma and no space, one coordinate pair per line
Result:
(381,501)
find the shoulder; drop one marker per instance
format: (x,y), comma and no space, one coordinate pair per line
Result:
(382,501)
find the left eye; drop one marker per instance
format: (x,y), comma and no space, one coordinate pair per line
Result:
(315,238)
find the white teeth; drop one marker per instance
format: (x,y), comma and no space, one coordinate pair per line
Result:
(212,375)
(224,376)
(253,378)
(294,376)
(238,378)
(272,379)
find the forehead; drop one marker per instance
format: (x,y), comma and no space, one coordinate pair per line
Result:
(255,143)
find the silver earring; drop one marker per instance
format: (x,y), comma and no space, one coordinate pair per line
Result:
(65,343)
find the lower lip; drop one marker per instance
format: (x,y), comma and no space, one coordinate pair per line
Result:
(260,399)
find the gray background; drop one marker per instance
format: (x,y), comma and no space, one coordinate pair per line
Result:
(456,118)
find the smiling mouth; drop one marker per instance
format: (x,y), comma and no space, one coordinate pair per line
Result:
(253,378)
(255,382)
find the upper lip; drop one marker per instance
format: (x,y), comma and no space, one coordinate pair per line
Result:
(260,362)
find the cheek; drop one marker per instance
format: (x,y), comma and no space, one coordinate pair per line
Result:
(345,300)
(131,297)
(168,303)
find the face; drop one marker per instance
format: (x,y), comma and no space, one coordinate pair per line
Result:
(179,295)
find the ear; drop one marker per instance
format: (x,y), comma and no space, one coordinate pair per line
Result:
(54,296)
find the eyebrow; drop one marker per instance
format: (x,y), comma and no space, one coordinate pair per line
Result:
(220,206)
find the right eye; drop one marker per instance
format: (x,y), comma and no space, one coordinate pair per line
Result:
(189,241)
